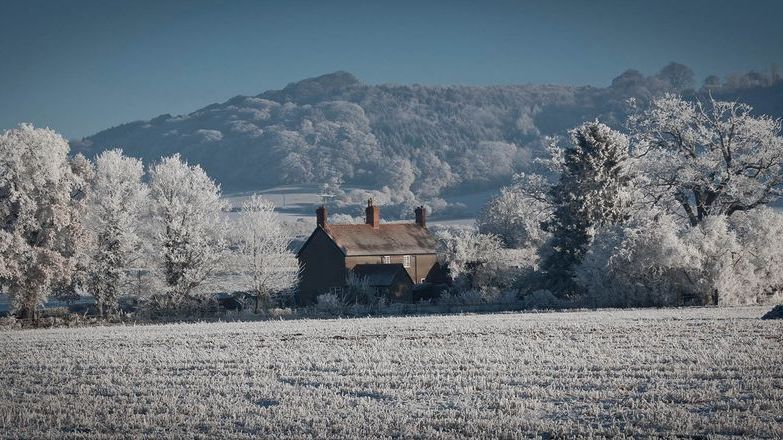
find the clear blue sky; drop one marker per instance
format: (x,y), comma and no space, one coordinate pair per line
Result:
(82,66)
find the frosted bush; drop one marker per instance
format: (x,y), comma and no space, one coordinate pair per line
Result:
(541,299)
(642,264)
(761,233)
(329,303)
(657,261)
(280,313)
(8,322)
(462,298)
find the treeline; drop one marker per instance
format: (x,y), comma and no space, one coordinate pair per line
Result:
(69,225)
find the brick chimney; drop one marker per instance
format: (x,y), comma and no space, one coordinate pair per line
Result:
(421,216)
(321,216)
(373,215)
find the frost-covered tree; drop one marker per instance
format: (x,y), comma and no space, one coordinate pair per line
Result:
(399,176)
(643,263)
(593,190)
(42,197)
(466,253)
(678,76)
(189,228)
(654,259)
(517,213)
(758,231)
(489,162)
(116,210)
(703,173)
(432,174)
(69,289)
(703,159)
(266,264)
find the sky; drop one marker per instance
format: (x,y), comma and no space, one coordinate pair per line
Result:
(80,66)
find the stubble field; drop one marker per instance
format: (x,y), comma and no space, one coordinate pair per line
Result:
(688,372)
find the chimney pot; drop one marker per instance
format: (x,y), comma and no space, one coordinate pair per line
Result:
(373,215)
(321,216)
(421,216)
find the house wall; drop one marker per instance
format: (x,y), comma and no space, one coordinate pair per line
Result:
(421,264)
(323,267)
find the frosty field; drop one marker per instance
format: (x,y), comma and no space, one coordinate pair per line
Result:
(647,372)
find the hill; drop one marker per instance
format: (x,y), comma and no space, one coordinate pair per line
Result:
(419,142)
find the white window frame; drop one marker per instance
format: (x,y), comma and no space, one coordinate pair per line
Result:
(406,261)
(386,259)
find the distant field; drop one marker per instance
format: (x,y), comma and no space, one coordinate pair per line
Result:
(635,373)
(299,201)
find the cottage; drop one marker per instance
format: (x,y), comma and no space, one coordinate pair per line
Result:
(334,249)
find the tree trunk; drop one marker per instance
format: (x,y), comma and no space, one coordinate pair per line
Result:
(258,299)
(27,313)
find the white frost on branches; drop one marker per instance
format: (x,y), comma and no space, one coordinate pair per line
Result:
(267,266)
(516,215)
(42,196)
(658,261)
(467,254)
(703,159)
(117,209)
(189,230)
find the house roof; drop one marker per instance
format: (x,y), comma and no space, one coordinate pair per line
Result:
(388,239)
(381,275)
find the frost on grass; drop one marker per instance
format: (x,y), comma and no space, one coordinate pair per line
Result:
(636,373)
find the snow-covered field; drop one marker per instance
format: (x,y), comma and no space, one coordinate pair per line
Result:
(295,202)
(635,373)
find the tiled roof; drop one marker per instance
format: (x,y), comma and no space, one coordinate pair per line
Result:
(388,239)
(380,275)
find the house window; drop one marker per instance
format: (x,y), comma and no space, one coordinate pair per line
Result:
(406,261)
(386,259)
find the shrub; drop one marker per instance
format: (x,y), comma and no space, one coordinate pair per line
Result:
(330,304)
(542,299)
(9,322)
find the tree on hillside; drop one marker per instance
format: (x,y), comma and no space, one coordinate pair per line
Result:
(42,197)
(703,159)
(116,210)
(678,76)
(593,190)
(712,82)
(189,229)
(266,264)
